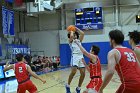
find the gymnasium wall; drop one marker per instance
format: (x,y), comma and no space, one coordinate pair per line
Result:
(100,40)
(45,34)
(43,42)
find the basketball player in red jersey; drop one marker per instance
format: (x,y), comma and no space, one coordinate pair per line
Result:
(94,68)
(134,41)
(123,60)
(22,72)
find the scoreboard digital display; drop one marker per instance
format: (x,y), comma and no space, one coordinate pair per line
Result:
(89,18)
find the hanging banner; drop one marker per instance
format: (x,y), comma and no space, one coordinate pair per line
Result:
(5,20)
(11,23)
(10,1)
(8,21)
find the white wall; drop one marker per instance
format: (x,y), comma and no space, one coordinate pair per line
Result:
(47,41)
(50,21)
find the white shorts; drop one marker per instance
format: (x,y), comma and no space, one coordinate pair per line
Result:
(76,60)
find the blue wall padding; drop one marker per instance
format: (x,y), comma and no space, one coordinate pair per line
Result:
(65,52)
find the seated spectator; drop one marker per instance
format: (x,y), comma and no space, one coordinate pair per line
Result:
(58,60)
(54,62)
(28,59)
(38,64)
(44,62)
(50,62)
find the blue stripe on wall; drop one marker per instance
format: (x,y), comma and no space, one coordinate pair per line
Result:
(65,52)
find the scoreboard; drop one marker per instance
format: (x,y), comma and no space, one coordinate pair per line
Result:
(89,18)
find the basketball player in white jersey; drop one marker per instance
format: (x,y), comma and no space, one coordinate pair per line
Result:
(76,58)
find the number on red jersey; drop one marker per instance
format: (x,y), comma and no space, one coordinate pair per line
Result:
(20,70)
(130,56)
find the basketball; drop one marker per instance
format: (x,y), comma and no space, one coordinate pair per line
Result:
(71,28)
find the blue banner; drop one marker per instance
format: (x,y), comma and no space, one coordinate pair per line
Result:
(8,21)
(10,1)
(90,26)
(0,50)
(15,49)
(11,23)
(5,20)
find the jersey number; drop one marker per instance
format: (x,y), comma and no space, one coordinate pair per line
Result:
(130,57)
(20,70)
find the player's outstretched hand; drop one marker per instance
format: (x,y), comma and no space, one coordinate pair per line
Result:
(7,62)
(44,81)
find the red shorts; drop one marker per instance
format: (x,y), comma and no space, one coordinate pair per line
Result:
(129,88)
(95,84)
(28,85)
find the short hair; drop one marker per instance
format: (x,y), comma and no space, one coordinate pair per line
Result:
(117,36)
(19,57)
(76,33)
(96,49)
(135,35)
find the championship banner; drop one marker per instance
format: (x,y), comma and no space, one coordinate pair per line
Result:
(11,23)
(5,20)
(10,1)
(0,50)
(8,21)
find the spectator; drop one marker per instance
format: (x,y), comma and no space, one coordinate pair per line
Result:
(54,62)
(58,60)
(51,63)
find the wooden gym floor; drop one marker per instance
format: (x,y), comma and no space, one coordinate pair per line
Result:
(56,82)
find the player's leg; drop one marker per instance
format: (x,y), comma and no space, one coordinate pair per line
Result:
(21,88)
(82,75)
(98,84)
(73,72)
(31,87)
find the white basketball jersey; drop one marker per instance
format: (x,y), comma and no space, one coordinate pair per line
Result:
(75,48)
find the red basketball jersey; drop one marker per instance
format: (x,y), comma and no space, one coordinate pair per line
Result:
(21,72)
(95,68)
(127,68)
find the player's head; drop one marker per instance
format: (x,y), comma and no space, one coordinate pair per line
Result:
(116,37)
(76,35)
(19,57)
(134,37)
(94,50)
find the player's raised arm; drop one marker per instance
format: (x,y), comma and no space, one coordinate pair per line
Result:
(35,75)
(81,34)
(8,67)
(87,67)
(89,55)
